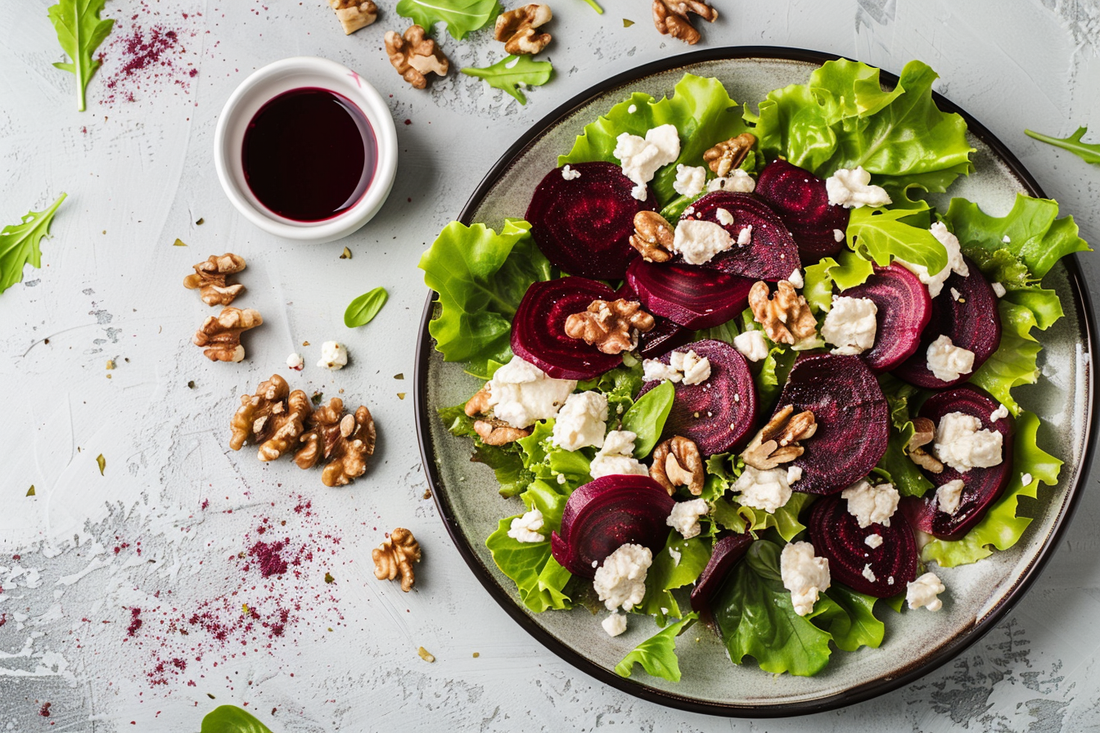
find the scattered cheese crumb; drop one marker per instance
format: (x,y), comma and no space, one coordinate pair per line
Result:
(795,279)
(614,624)
(999,414)
(873,541)
(999,290)
(334,356)
(526,528)
(752,345)
(924,592)
(868,573)
(725,218)
(852,189)
(744,237)
(690,180)
(949,495)
(569,174)
(295,362)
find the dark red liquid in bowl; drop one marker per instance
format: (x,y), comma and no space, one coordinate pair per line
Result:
(309,154)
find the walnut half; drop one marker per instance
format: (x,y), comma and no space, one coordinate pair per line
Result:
(274,417)
(414,55)
(924,430)
(610,326)
(671,18)
(517,29)
(786,316)
(677,462)
(395,557)
(652,237)
(354,14)
(221,335)
(778,441)
(210,278)
(345,441)
(729,154)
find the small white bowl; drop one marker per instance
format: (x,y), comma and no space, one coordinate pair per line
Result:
(268,83)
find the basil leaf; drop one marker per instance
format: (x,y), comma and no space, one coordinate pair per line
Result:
(461,16)
(512,70)
(646,417)
(80,30)
(232,719)
(20,244)
(363,309)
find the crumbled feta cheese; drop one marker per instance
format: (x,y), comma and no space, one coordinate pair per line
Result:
(874,541)
(632,108)
(562,479)
(924,591)
(614,624)
(685,517)
(698,241)
(804,575)
(690,180)
(725,218)
(850,325)
(999,414)
(871,504)
(744,237)
(334,356)
(569,174)
(852,189)
(654,370)
(738,181)
(752,345)
(1026,479)
(617,456)
(999,290)
(695,368)
(620,581)
(766,490)
(675,555)
(955,295)
(947,361)
(838,235)
(641,158)
(948,496)
(794,473)
(1005,239)
(295,362)
(961,444)
(868,573)
(521,394)
(581,421)
(526,528)
(955,261)
(795,279)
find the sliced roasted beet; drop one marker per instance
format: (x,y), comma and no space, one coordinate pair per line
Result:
(602,516)
(802,202)
(718,414)
(694,297)
(583,225)
(727,552)
(853,421)
(971,320)
(904,309)
(538,329)
(981,486)
(881,571)
(665,335)
(771,253)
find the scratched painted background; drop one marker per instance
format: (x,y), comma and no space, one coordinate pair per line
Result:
(133,600)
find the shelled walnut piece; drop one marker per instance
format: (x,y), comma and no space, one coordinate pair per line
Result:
(395,557)
(652,237)
(210,279)
(345,441)
(354,14)
(497,432)
(778,441)
(414,55)
(274,417)
(221,335)
(924,430)
(610,326)
(517,29)
(785,316)
(677,462)
(671,18)
(729,154)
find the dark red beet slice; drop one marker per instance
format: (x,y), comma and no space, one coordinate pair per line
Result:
(802,202)
(853,422)
(538,329)
(584,225)
(665,335)
(720,413)
(606,514)
(837,536)
(694,297)
(981,486)
(904,309)
(973,322)
(771,254)
(727,552)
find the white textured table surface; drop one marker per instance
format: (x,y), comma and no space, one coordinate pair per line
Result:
(164,529)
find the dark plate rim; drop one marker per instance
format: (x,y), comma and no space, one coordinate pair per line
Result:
(850,696)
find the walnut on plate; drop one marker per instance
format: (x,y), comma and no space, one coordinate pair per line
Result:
(652,237)
(497,432)
(786,316)
(210,279)
(220,335)
(729,154)
(274,417)
(345,441)
(671,18)
(395,556)
(517,29)
(677,462)
(924,430)
(354,14)
(414,55)
(610,326)
(778,441)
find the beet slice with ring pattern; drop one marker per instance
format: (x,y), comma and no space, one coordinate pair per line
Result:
(801,200)
(904,309)
(694,297)
(718,414)
(665,335)
(583,224)
(771,253)
(881,571)
(853,421)
(981,486)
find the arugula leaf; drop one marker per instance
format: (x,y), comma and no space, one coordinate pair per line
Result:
(232,719)
(20,244)
(657,654)
(731,515)
(363,309)
(646,417)
(1006,520)
(79,31)
(514,70)
(539,578)
(481,277)
(1090,153)
(461,16)
(668,573)
(700,108)
(883,235)
(595,6)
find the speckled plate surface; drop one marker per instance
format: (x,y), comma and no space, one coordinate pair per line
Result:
(978,595)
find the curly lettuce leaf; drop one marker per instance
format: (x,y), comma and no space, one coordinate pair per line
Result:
(539,578)
(1088,152)
(699,107)
(1006,520)
(232,719)
(669,572)
(619,386)
(884,235)
(850,619)
(646,417)
(657,654)
(481,277)
(733,516)
(505,460)
(851,270)
(567,469)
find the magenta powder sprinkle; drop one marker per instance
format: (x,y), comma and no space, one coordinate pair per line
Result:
(144,58)
(135,622)
(269,557)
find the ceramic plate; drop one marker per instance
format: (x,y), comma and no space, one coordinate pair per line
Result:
(979,595)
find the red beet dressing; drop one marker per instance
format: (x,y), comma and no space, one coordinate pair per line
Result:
(309,154)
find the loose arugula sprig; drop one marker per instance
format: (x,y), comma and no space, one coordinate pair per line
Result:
(461,16)
(1088,152)
(80,30)
(511,71)
(19,244)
